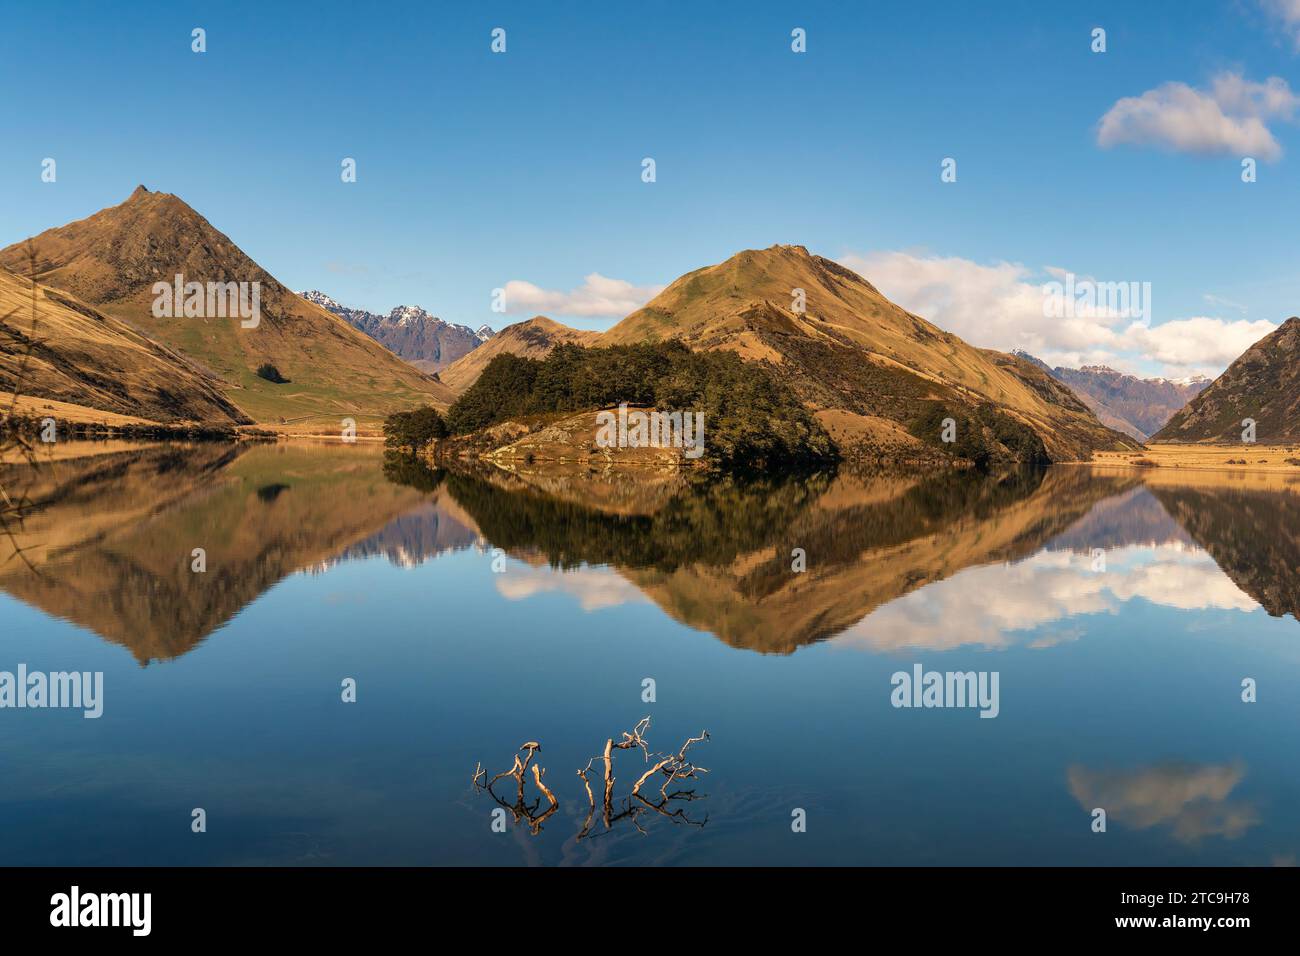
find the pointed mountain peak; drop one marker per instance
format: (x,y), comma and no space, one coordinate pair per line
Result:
(755,289)
(800,252)
(119,252)
(773,253)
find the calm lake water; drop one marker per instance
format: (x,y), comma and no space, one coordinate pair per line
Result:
(1121,610)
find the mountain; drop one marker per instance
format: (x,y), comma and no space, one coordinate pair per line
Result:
(531,339)
(1263,384)
(1136,406)
(881,377)
(424,340)
(75,354)
(112,259)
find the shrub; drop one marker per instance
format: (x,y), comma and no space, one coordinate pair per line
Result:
(272,374)
(414,429)
(751,418)
(979,433)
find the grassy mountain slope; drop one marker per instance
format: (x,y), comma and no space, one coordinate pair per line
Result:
(72,353)
(112,259)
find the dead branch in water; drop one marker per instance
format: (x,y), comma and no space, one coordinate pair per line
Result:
(672,766)
(521,809)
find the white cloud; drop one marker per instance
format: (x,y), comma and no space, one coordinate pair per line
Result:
(1198,343)
(1227,119)
(1001,306)
(993,306)
(1287,13)
(598,297)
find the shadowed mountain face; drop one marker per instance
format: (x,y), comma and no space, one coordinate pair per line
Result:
(880,376)
(112,259)
(111,536)
(1263,385)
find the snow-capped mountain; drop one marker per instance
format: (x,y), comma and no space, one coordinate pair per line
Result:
(1197,381)
(424,340)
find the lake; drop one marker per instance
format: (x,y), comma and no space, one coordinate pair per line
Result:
(1121,611)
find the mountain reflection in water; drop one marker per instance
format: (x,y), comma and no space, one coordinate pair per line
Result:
(110,537)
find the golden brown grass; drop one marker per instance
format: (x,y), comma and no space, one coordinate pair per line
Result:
(1270,459)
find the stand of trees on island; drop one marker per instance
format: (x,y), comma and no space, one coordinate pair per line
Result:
(751,418)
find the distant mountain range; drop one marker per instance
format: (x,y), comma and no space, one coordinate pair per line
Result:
(1136,406)
(107,265)
(1263,384)
(424,340)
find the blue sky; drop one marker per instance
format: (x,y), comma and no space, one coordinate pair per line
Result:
(478,169)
